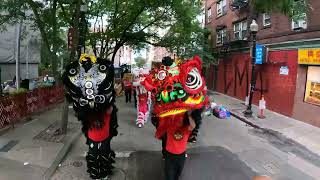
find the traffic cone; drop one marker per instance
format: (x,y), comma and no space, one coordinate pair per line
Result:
(246,102)
(262,107)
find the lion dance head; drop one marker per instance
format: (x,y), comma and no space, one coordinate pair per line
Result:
(89,84)
(177,87)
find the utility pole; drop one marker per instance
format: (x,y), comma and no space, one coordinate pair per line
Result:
(27,60)
(18,33)
(254,29)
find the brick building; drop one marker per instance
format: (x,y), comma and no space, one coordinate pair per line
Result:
(289,78)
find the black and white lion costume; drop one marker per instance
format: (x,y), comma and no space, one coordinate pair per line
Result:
(90,88)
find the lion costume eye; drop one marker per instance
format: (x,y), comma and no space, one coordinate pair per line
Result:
(194,80)
(72,72)
(103,67)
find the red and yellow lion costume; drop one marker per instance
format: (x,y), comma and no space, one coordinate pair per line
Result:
(177,88)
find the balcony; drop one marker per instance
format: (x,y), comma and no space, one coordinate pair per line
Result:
(232,37)
(238,4)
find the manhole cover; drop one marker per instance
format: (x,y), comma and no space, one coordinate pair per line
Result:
(77,164)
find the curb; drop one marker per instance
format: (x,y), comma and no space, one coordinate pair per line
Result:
(299,147)
(235,114)
(245,120)
(5,130)
(62,153)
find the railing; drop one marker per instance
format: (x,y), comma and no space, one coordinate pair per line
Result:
(238,4)
(15,107)
(233,36)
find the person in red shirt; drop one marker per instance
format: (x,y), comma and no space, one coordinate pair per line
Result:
(176,139)
(100,157)
(127,90)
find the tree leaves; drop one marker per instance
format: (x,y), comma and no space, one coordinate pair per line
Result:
(292,8)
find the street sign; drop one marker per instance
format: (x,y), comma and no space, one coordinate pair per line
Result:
(259,54)
(70,40)
(284,70)
(309,56)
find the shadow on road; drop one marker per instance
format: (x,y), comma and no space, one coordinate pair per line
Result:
(203,163)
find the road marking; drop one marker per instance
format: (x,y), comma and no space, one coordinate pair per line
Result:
(124,154)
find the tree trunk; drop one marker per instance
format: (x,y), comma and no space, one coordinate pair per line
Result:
(65,112)
(64,118)
(54,57)
(116,48)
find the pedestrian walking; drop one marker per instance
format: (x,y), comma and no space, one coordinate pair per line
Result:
(127,90)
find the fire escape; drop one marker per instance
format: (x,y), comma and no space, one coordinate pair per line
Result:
(238,4)
(233,39)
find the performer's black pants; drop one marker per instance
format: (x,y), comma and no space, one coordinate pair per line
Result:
(128,95)
(174,164)
(135,98)
(164,142)
(102,147)
(99,158)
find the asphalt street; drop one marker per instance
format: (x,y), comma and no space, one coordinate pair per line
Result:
(226,150)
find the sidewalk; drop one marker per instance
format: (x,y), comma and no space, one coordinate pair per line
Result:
(277,124)
(30,150)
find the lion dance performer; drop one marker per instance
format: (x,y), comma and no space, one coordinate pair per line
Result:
(90,88)
(143,97)
(177,89)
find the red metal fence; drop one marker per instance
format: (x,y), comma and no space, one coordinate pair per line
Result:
(15,107)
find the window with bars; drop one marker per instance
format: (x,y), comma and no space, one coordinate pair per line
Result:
(221,36)
(209,14)
(300,22)
(240,30)
(266,20)
(221,7)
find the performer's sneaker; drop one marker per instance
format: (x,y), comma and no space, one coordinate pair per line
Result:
(192,139)
(139,125)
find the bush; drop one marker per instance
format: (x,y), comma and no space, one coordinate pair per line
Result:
(18,91)
(44,85)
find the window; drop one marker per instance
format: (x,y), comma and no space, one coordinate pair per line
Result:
(266,20)
(209,14)
(312,93)
(240,30)
(221,7)
(300,22)
(221,36)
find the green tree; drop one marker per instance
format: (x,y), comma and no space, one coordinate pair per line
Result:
(140,61)
(135,22)
(292,8)
(50,18)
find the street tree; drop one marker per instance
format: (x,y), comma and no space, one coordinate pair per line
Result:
(135,23)
(292,8)
(140,61)
(51,18)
